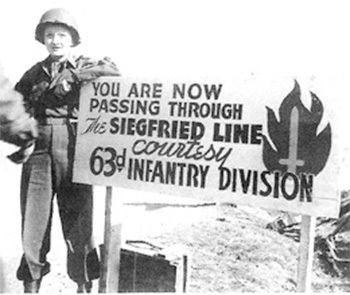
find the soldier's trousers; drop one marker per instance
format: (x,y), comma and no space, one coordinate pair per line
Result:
(46,175)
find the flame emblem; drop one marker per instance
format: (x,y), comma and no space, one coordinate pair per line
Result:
(298,148)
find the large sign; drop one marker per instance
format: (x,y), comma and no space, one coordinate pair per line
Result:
(256,142)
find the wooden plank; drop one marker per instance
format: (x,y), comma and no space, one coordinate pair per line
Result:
(113,263)
(306,252)
(107,158)
(185,273)
(107,235)
(110,256)
(181,274)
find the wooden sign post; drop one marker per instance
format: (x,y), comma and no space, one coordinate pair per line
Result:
(306,253)
(110,254)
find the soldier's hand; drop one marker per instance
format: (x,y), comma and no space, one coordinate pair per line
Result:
(19,132)
(62,88)
(23,154)
(62,82)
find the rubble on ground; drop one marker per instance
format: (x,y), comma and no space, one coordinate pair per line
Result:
(332,243)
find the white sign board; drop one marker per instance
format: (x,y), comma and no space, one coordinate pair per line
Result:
(257,142)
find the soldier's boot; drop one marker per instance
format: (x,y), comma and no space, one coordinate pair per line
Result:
(32,286)
(85,288)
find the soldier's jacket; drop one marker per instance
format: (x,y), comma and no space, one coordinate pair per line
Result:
(41,92)
(16,126)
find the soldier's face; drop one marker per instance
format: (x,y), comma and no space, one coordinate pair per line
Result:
(58,41)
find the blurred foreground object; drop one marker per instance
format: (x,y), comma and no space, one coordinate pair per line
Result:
(16,127)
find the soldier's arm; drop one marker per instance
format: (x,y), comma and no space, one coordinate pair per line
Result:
(89,69)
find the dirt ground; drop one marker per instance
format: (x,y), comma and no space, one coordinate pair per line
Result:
(228,246)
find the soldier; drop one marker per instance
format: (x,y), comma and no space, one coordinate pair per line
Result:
(51,93)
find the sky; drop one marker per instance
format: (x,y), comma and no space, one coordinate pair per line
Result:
(192,38)
(196,38)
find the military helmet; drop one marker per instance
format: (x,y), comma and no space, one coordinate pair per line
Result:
(59,16)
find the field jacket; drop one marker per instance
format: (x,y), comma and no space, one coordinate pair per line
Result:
(39,87)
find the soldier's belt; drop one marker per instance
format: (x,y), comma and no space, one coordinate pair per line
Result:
(56,121)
